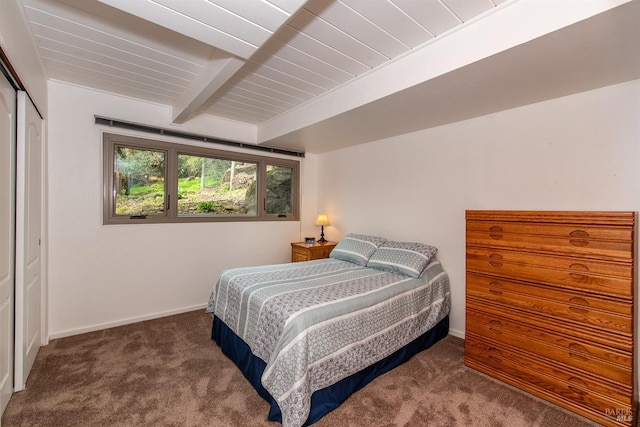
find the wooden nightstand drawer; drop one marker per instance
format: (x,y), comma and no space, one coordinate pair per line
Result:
(300,251)
(299,255)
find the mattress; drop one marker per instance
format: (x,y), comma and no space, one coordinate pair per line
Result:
(316,323)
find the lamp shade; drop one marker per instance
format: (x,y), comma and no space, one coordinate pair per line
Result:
(322,220)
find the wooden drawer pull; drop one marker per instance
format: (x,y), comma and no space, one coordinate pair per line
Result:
(495,232)
(578,310)
(578,357)
(495,288)
(496,260)
(577,381)
(495,327)
(581,303)
(579,238)
(495,355)
(576,275)
(579,348)
(578,267)
(577,390)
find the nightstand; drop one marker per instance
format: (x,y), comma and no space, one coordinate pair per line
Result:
(300,251)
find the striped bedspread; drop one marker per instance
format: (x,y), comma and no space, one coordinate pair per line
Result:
(317,322)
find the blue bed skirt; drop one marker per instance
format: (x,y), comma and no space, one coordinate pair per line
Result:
(325,400)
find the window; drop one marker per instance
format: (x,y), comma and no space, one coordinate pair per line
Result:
(147,181)
(209,186)
(279,197)
(139,181)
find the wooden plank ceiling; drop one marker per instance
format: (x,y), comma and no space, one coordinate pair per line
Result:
(320,75)
(244,60)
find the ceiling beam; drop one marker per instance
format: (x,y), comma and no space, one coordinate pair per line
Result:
(217,71)
(516,23)
(235,31)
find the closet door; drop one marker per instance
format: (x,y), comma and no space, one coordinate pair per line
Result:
(28,293)
(7,238)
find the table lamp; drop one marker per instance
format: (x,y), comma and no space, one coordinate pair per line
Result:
(322,220)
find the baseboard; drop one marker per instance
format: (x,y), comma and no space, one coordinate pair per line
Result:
(101,326)
(456,333)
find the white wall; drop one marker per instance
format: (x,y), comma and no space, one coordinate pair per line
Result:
(102,276)
(580,152)
(311,205)
(576,153)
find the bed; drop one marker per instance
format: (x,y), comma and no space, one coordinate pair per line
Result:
(309,334)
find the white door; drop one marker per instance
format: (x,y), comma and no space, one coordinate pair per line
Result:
(28,293)
(7,237)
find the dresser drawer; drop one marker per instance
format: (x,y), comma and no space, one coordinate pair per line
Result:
(610,364)
(563,387)
(558,304)
(607,278)
(591,241)
(620,343)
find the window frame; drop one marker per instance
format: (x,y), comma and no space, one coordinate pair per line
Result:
(173,149)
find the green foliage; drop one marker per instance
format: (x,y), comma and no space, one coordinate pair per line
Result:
(205,207)
(145,190)
(189,166)
(195,167)
(213,198)
(187,185)
(140,165)
(149,205)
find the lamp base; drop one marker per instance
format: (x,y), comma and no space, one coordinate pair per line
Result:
(322,239)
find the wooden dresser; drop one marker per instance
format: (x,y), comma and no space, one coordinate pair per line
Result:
(550,307)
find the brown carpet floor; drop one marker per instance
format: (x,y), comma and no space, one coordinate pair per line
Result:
(168,372)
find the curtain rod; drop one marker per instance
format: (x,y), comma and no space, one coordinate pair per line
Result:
(170,132)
